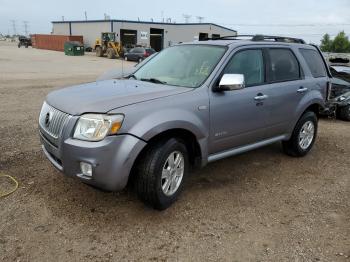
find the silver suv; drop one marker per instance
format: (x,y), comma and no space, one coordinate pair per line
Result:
(189,105)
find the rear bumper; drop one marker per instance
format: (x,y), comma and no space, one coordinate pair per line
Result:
(111,159)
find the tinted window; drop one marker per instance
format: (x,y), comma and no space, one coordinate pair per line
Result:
(249,63)
(138,50)
(314,61)
(150,50)
(283,65)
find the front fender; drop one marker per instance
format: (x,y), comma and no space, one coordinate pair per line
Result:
(158,122)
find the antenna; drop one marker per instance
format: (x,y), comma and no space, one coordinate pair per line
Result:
(26,27)
(200,19)
(14,27)
(187,18)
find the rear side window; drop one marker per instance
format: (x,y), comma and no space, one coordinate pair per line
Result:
(138,50)
(314,62)
(283,65)
(249,63)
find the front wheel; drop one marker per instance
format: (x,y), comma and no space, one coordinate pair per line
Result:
(303,137)
(344,113)
(161,173)
(111,53)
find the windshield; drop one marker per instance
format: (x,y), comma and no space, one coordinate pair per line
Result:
(184,65)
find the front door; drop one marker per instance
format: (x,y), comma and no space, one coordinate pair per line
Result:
(238,117)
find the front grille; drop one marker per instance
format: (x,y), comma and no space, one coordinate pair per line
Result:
(52,120)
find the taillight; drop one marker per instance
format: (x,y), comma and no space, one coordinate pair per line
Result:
(145,54)
(329,89)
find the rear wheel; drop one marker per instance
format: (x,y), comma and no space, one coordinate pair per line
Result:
(303,136)
(111,53)
(125,58)
(140,60)
(99,51)
(344,113)
(161,173)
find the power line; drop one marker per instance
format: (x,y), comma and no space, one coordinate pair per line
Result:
(26,27)
(187,18)
(290,25)
(200,19)
(14,27)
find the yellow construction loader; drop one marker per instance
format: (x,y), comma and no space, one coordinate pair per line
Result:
(107,45)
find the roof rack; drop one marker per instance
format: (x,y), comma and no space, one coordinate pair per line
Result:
(260,38)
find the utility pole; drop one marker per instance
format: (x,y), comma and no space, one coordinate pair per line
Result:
(63,18)
(85,13)
(187,18)
(200,19)
(14,27)
(26,27)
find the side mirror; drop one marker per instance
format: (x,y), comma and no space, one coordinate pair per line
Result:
(231,82)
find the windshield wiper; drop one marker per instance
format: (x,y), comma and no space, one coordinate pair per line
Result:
(153,80)
(131,76)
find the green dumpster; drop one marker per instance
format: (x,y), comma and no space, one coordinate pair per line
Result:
(73,48)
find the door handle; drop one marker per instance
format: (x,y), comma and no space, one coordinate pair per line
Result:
(302,90)
(260,97)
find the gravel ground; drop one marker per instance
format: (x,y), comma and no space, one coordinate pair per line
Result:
(259,206)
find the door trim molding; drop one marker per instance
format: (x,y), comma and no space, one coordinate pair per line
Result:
(243,149)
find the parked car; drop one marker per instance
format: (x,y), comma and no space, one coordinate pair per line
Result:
(138,54)
(24,41)
(338,104)
(189,105)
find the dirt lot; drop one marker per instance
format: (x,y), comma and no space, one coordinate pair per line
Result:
(259,206)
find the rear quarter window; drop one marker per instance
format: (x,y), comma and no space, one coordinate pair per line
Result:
(314,62)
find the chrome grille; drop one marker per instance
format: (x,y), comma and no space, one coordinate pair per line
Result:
(52,120)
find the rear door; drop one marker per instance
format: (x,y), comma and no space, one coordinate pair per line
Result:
(287,87)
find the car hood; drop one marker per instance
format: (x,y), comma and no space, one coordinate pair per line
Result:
(104,96)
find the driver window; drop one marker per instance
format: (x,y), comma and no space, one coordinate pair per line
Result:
(249,63)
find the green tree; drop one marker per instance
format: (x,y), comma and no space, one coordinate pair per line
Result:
(341,43)
(326,43)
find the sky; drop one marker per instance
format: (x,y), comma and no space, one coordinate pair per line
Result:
(307,19)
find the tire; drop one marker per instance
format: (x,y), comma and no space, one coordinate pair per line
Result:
(296,146)
(111,53)
(125,58)
(140,60)
(19,45)
(99,51)
(154,173)
(26,46)
(344,113)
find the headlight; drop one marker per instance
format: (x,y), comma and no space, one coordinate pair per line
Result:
(95,127)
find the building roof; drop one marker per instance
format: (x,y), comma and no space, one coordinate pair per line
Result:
(142,22)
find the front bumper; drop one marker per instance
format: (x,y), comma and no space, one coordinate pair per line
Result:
(111,158)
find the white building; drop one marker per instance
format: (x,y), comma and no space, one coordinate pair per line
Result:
(155,34)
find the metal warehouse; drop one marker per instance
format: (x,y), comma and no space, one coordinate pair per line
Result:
(158,35)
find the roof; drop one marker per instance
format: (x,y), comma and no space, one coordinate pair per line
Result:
(142,22)
(243,43)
